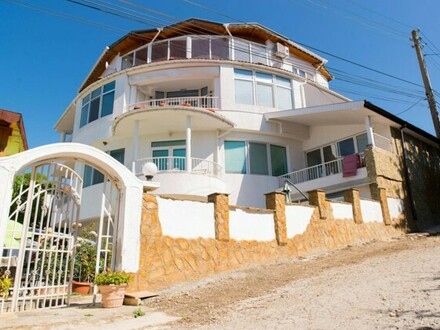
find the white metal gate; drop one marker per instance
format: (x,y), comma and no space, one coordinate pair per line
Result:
(37,254)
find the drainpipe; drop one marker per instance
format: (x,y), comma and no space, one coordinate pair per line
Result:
(188,158)
(159,30)
(232,40)
(408,182)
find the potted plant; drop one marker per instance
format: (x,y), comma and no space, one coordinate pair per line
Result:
(112,286)
(84,266)
(5,284)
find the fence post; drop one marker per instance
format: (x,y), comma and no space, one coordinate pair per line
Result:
(352,196)
(221,215)
(380,194)
(317,198)
(277,201)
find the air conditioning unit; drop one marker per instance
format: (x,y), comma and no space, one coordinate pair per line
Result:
(281,51)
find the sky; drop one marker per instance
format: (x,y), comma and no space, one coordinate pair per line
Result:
(48,47)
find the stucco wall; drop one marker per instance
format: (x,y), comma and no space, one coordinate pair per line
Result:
(371,211)
(298,218)
(342,210)
(248,225)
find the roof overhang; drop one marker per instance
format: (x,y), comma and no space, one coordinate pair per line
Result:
(348,113)
(15,117)
(169,119)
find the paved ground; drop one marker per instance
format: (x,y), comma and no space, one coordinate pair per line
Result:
(381,285)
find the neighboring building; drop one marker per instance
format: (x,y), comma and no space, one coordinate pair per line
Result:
(233,108)
(12,134)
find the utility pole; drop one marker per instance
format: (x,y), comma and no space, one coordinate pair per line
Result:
(426,82)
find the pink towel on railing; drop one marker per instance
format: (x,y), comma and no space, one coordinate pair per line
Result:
(350,165)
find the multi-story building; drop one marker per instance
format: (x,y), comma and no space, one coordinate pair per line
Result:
(233,108)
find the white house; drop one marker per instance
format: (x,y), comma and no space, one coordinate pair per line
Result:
(233,108)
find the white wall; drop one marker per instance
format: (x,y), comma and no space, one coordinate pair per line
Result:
(297,219)
(395,206)
(250,226)
(186,219)
(371,211)
(342,210)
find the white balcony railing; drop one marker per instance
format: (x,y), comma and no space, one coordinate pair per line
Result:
(178,164)
(206,102)
(313,172)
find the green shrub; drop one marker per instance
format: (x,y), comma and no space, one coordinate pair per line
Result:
(116,278)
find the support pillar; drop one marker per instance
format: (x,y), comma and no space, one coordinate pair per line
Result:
(369,129)
(134,145)
(221,215)
(188,144)
(277,201)
(352,196)
(317,198)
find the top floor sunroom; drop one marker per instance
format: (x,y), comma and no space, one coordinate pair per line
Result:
(196,39)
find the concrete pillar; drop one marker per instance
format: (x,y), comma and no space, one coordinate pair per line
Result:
(369,129)
(221,215)
(352,196)
(135,144)
(277,201)
(380,194)
(188,144)
(317,198)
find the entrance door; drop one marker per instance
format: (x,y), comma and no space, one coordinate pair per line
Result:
(37,255)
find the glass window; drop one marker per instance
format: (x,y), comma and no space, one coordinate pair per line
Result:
(284,98)
(235,157)
(362,142)
(179,159)
(98,177)
(177,49)
(258,158)
(264,95)
(118,154)
(97,104)
(219,48)
(314,157)
(107,104)
(278,158)
(346,147)
(171,143)
(94,109)
(88,176)
(84,115)
(244,93)
(328,154)
(159,52)
(243,74)
(241,49)
(200,48)
(160,158)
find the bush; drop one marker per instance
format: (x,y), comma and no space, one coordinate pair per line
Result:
(116,278)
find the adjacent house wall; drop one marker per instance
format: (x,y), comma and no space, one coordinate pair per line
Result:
(244,237)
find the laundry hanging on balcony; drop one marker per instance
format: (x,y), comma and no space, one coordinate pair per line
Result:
(350,165)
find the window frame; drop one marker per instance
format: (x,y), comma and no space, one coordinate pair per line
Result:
(86,103)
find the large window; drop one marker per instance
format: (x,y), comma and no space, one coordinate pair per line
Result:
(263,159)
(349,146)
(257,88)
(97,104)
(92,176)
(169,155)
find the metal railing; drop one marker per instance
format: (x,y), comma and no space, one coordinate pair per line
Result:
(178,164)
(313,172)
(205,102)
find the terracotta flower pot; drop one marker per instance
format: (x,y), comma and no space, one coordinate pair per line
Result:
(81,287)
(112,295)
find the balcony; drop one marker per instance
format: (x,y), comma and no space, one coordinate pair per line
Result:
(202,178)
(204,102)
(178,164)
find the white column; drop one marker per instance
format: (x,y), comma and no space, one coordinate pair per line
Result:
(133,95)
(369,129)
(188,144)
(134,145)
(63,137)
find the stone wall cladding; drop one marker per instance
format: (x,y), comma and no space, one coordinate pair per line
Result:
(165,260)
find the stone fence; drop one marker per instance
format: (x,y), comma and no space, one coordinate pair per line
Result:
(184,240)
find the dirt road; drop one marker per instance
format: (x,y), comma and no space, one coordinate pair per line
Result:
(380,285)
